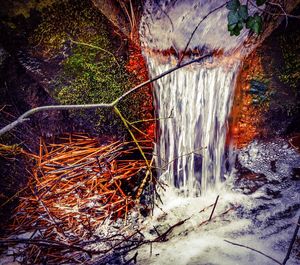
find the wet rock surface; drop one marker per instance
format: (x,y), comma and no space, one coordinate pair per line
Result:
(266,165)
(277,198)
(275,159)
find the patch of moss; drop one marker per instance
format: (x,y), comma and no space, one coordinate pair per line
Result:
(89,74)
(290,46)
(67,19)
(89,77)
(14,8)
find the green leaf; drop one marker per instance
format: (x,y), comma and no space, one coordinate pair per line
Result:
(250,22)
(260,2)
(254,23)
(240,26)
(231,27)
(243,12)
(233,5)
(233,18)
(257,28)
(235,29)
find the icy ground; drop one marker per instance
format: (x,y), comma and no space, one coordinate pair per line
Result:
(264,220)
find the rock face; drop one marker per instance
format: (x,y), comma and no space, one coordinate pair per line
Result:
(60,53)
(115,14)
(267,95)
(80,60)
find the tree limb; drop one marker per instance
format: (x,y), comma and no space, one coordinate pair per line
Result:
(24,117)
(43,242)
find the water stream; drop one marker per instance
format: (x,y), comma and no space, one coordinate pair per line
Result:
(192,106)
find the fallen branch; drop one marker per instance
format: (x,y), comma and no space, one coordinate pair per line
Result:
(220,215)
(132,259)
(255,250)
(163,237)
(24,117)
(292,242)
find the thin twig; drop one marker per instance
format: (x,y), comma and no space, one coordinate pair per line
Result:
(43,242)
(271,13)
(292,242)
(285,14)
(148,120)
(213,210)
(176,158)
(14,196)
(255,250)
(131,19)
(161,76)
(163,237)
(195,29)
(132,259)
(148,173)
(132,135)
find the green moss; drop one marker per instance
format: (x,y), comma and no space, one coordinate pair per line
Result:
(69,19)
(290,45)
(24,7)
(89,75)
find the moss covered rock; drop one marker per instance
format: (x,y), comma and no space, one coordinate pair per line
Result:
(92,63)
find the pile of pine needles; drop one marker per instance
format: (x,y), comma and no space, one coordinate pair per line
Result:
(77,185)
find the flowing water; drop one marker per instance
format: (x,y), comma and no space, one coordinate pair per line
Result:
(263,219)
(192,106)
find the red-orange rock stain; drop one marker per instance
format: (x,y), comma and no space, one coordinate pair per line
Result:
(245,117)
(137,66)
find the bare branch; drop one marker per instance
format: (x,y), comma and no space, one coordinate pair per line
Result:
(43,242)
(255,250)
(213,210)
(24,117)
(163,237)
(274,14)
(195,29)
